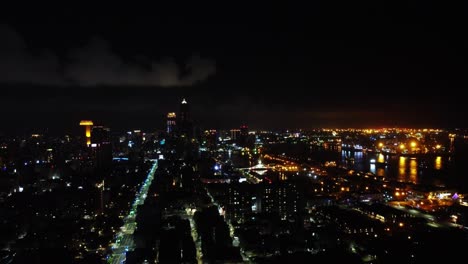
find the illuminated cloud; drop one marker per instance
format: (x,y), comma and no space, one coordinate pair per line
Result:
(93,64)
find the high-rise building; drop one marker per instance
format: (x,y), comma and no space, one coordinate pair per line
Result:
(171,122)
(184,111)
(101,151)
(87,124)
(243,135)
(185,124)
(100,135)
(288,200)
(235,133)
(102,148)
(281,199)
(211,137)
(241,200)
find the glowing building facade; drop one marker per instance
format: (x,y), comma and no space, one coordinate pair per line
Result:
(87,124)
(171,122)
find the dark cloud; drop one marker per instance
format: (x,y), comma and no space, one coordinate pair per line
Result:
(19,65)
(93,64)
(198,69)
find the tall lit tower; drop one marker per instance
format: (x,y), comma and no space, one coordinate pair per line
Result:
(184,111)
(171,122)
(185,125)
(87,124)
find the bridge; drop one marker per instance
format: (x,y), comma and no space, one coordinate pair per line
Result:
(261,168)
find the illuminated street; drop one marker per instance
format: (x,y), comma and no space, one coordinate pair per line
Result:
(124,240)
(193,231)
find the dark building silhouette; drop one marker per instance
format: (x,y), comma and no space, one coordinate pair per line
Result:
(243,139)
(184,122)
(101,149)
(235,133)
(211,137)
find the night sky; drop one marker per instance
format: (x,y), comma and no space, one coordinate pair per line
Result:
(320,65)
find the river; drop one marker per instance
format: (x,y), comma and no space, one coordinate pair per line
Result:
(420,170)
(434,170)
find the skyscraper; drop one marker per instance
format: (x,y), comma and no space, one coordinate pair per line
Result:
(243,135)
(184,111)
(102,149)
(235,133)
(100,135)
(171,122)
(87,124)
(185,124)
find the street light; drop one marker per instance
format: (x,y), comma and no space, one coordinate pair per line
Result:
(413,144)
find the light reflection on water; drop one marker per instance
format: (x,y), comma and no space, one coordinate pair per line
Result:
(402,168)
(406,169)
(438,163)
(413,171)
(381,158)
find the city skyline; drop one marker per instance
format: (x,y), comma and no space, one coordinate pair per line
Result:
(359,65)
(311,133)
(235,196)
